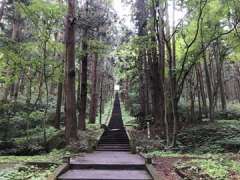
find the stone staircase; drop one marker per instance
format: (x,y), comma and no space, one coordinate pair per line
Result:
(112,159)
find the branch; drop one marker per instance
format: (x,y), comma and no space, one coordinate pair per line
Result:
(181,84)
(194,39)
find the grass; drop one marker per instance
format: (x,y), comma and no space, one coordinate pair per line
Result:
(216,168)
(27,173)
(36,134)
(54,156)
(168,154)
(211,151)
(18,170)
(127,118)
(219,166)
(107,112)
(211,167)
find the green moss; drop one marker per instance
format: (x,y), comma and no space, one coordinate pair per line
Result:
(54,156)
(213,168)
(27,173)
(17,169)
(127,118)
(107,112)
(216,137)
(165,154)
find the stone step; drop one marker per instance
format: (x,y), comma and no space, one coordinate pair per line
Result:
(111,149)
(115,145)
(114,138)
(112,160)
(113,142)
(93,174)
(121,132)
(109,166)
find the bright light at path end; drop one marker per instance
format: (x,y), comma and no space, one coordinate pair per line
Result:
(124,12)
(116,87)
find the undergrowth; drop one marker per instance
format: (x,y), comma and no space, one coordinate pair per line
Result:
(17,168)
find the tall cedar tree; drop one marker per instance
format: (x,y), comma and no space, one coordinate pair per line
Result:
(69,82)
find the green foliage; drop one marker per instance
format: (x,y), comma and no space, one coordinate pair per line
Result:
(21,129)
(35,135)
(106,114)
(19,116)
(212,168)
(158,153)
(43,14)
(26,172)
(220,136)
(127,54)
(54,156)
(23,171)
(127,118)
(98,47)
(43,19)
(218,167)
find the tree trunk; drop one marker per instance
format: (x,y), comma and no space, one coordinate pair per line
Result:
(83,97)
(146,80)
(69,82)
(220,76)
(2,9)
(9,89)
(161,64)
(94,95)
(57,118)
(79,84)
(157,69)
(209,87)
(141,22)
(29,92)
(201,88)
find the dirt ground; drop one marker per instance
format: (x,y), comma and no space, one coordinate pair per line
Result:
(165,168)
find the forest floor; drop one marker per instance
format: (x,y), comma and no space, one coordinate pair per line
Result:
(205,166)
(205,151)
(37,167)
(22,155)
(165,167)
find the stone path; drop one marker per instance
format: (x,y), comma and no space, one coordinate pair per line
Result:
(112,158)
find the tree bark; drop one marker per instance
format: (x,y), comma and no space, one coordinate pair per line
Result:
(141,23)
(9,89)
(69,82)
(2,8)
(157,70)
(201,87)
(220,76)
(83,96)
(209,88)
(57,118)
(161,64)
(94,95)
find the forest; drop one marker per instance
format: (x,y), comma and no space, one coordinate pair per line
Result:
(173,64)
